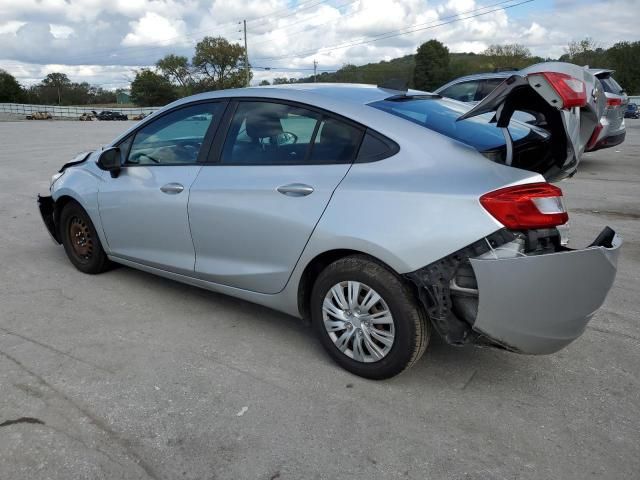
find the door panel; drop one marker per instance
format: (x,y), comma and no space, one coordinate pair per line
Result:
(145,224)
(246,233)
(144,209)
(252,213)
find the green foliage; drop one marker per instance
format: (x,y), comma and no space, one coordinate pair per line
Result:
(220,64)
(178,71)
(56,88)
(264,83)
(624,57)
(507,57)
(431,66)
(10,89)
(149,89)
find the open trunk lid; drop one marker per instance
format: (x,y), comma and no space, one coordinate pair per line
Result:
(568,96)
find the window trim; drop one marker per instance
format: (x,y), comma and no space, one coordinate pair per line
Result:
(207,141)
(215,154)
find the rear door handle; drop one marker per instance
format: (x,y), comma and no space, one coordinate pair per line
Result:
(172,188)
(295,190)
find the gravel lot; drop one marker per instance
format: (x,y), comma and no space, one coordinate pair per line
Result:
(134,376)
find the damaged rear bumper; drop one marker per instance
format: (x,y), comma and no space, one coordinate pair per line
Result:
(531,304)
(539,304)
(46,206)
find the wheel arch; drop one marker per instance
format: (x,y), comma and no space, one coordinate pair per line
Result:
(319,263)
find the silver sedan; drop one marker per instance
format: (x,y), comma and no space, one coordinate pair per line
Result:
(377,215)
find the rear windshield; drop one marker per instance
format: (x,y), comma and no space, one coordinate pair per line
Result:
(610,85)
(440,116)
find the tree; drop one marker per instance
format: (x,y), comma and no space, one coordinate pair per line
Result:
(576,48)
(264,83)
(510,55)
(432,66)
(149,89)
(623,58)
(178,70)
(10,89)
(220,63)
(57,82)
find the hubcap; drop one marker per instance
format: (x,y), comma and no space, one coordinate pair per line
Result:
(80,237)
(358,321)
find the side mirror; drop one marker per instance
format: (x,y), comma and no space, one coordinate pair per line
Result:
(110,159)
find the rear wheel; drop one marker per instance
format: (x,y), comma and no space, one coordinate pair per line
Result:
(80,240)
(367,318)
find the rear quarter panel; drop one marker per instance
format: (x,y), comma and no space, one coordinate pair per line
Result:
(415,207)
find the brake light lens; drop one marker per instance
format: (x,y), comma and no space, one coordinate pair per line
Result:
(571,90)
(522,207)
(594,136)
(614,102)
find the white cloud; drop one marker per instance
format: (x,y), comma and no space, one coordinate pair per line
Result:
(154,29)
(60,31)
(12,26)
(112,36)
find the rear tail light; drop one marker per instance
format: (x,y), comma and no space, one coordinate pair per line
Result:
(534,205)
(614,102)
(571,90)
(594,137)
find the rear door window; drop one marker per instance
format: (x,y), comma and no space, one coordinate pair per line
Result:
(486,87)
(269,133)
(463,91)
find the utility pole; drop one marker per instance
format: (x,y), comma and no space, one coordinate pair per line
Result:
(315,69)
(246,55)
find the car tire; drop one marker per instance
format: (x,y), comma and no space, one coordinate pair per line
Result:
(387,344)
(80,240)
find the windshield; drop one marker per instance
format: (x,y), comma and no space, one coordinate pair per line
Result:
(440,116)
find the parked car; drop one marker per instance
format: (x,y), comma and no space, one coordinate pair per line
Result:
(612,129)
(378,215)
(632,111)
(110,115)
(39,116)
(611,132)
(474,88)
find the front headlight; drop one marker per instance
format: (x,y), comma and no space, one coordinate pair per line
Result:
(54,178)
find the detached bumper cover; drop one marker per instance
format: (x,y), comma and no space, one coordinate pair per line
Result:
(46,207)
(540,304)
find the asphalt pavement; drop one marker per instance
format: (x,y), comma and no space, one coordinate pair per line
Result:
(127,375)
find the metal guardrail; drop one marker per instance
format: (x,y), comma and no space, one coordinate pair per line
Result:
(23,109)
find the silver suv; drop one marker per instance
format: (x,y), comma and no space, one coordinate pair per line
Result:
(610,132)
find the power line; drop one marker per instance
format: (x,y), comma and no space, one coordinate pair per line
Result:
(393,33)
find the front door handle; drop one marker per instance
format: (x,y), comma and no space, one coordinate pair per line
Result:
(172,188)
(295,190)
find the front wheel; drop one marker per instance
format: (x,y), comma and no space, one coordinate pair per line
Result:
(367,318)
(80,240)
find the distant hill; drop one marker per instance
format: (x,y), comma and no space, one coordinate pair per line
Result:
(402,68)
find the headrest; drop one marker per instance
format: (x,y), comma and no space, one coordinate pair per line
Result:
(262,123)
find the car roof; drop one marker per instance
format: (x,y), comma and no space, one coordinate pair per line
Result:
(353,93)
